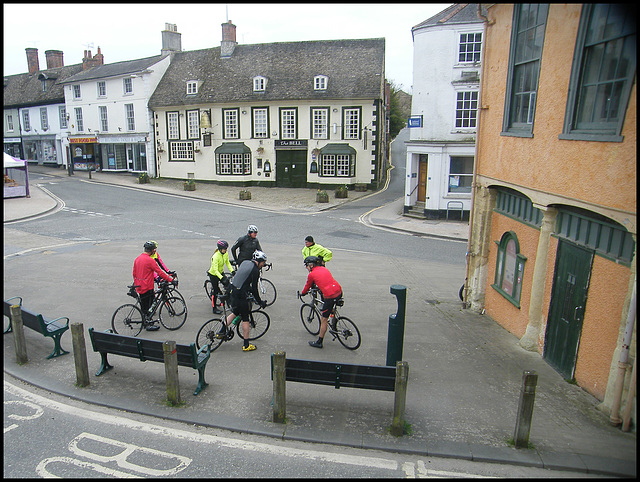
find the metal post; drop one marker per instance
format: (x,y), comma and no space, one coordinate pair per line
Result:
(18,335)
(278,360)
(80,355)
(171,371)
(525,408)
(402,375)
(395,336)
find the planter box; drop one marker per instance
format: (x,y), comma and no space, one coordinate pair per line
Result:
(322,197)
(189,187)
(245,195)
(342,194)
(360,187)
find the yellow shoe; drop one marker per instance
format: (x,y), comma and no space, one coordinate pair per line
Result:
(249,348)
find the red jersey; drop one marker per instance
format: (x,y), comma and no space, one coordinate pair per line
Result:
(143,269)
(324,281)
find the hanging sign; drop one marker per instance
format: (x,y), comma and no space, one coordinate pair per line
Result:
(415,121)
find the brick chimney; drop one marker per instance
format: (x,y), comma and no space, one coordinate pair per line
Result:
(32,60)
(88,61)
(54,59)
(171,39)
(228,44)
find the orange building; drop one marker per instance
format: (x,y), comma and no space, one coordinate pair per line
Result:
(552,250)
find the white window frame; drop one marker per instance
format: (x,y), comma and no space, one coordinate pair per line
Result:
(259,83)
(181,151)
(26,123)
(192,87)
(466,110)
(104,119)
(351,123)
(456,179)
(469,43)
(260,117)
(193,124)
(62,113)
(127,86)
(79,119)
(77,92)
(320,82)
(288,123)
(44,119)
(102,88)
(231,119)
(10,123)
(173,125)
(320,123)
(130,116)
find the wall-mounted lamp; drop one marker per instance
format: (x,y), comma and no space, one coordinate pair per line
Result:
(335,110)
(119,128)
(314,168)
(267,166)
(244,112)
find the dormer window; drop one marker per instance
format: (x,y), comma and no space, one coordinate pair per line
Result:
(320,82)
(259,84)
(192,87)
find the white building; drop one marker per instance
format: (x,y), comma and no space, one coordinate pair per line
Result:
(446,80)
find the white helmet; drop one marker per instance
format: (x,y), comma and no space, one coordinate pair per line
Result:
(259,256)
(252,228)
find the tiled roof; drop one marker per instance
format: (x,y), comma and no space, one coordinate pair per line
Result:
(355,69)
(456,13)
(115,69)
(23,90)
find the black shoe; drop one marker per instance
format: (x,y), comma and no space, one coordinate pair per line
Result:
(221,334)
(152,327)
(316,344)
(217,311)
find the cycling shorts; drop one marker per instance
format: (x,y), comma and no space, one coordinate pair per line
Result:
(329,304)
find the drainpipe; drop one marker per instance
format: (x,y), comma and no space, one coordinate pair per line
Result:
(615,419)
(469,254)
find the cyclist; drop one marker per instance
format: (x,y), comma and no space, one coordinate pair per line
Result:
(328,286)
(247,245)
(245,281)
(158,259)
(219,260)
(313,249)
(144,267)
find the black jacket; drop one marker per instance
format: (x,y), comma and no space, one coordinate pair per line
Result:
(247,246)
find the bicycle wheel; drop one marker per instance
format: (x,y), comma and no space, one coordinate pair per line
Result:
(267,291)
(347,333)
(310,318)
(208,288)
(176,293)
(207,334)
(173,313)
(259,324)
(127,320)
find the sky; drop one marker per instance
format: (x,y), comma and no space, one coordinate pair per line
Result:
(132,31)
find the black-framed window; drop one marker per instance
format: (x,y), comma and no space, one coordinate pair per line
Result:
(231,119)
(509,268)
(173,125)
(181,151)
(319,123)
(527,39)
(260,122)
(193,124)
(351,122)
(233,159)
(337,160)
(288,123)
(602,73)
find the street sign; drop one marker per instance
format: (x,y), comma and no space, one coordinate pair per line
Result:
(415,121)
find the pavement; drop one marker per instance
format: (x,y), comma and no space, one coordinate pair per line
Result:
(465,371)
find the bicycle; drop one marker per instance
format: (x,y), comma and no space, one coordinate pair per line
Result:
(173,287)
(266,288)
(129,319)
(259,323)
(339,327)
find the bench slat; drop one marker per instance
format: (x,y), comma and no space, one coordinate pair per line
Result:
(340,374)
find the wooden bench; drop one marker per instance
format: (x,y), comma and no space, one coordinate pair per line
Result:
(370,377)
(105,342)
(53,329)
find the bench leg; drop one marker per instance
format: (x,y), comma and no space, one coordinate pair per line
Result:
(104,366)
(201,382)
(57,348)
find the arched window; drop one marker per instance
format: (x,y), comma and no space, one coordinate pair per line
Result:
(509,268)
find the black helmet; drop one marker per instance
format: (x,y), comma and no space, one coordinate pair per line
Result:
(150,245)
(222,244)
(312,260)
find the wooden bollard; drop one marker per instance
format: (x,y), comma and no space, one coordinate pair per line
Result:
(18,334)
(171,371)
(400,400)
(525,408)
(279,386)
(80,354)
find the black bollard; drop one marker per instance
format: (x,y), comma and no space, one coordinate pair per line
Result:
(395,337)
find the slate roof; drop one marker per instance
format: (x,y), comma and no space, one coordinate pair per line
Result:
(355,70)
(25,90)
(114,69)
(456,13)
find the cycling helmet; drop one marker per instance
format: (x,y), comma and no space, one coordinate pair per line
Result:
(155,243)
(259,256)
(149,245)
(252,228)
(312,260)
(222,244)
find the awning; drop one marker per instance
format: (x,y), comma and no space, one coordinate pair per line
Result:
(338,149)
(11,162)
(232,148)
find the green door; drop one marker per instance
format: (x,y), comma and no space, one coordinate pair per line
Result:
(291,168)
(568,300)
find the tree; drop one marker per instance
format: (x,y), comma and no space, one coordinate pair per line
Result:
(398,111)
